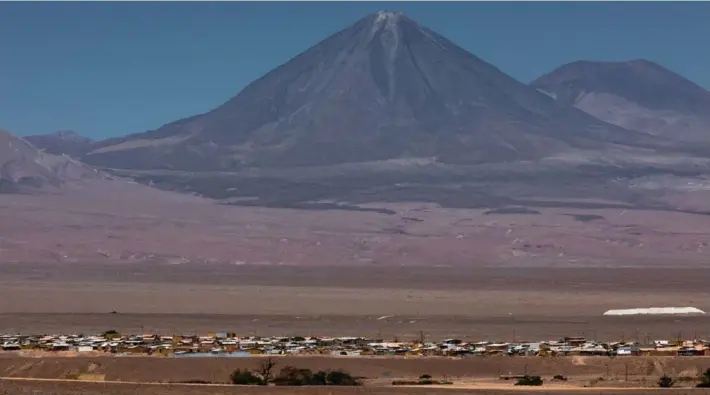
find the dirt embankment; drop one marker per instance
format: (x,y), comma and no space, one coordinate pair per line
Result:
(83,388)
(217,370)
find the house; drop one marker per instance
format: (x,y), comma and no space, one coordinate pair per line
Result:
(627,350)
(11,346)
(575,341)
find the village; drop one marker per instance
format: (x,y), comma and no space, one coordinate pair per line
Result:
(225,344)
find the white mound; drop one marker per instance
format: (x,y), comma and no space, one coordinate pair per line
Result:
(656,310)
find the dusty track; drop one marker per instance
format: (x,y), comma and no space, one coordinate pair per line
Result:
(147,369)
(58,387)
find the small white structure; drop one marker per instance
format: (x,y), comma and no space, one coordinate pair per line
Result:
(656,311)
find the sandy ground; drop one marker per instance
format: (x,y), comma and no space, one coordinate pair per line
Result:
(76,388)
(476,375)
(476,304)
(119,222)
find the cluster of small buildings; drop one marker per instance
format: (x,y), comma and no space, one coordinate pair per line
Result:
(230,345)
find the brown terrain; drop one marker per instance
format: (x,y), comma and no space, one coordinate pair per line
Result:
(133,375)
(173,262)
(104,221)
(513,217)
(86,388)
(472,303)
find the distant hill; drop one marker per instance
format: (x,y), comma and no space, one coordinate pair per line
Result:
(384,88)
(23,167)
(638,95)
(62,142)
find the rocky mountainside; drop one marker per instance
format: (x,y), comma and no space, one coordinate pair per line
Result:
(23,167)
(65,142)
(384,88)
(638,95)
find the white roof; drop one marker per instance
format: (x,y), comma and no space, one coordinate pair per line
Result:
(656,310)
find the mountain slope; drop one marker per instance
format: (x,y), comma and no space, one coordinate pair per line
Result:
(62,142)
(384,88)
(23,167)
(638,95)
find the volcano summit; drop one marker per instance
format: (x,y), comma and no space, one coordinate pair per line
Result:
(384,88)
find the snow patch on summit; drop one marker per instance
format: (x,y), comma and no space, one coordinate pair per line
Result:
(387,20)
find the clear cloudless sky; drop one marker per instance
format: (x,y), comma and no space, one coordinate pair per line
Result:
(107,69)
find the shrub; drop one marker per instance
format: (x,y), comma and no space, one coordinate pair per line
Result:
(666,382)
(339,377)
(559,377)
(425,376)
(704,380)
(245,377)
(294,377)
(291,376)
(530,380)
(265,370)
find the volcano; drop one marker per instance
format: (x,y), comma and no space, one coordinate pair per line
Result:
(63,142)
(384,88)
(640,95)
(24,168)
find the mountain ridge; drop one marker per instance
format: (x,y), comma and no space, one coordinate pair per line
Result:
(383,88)
(62,142)
(639,95)
(25,168)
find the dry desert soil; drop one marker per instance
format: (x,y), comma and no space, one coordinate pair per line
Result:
(484,303)
(146,375)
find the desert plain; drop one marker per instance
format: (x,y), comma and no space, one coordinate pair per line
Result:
(116,255)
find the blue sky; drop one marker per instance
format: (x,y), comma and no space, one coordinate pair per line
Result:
(107,69)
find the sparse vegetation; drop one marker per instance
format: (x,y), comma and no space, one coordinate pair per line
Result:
(530,380)
(704,380)
(666,382)
(291,376)
(425,379)
(245,377)
(266,369)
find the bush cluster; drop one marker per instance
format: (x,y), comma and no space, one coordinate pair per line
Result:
(705,380)
(530,380)
(291,376)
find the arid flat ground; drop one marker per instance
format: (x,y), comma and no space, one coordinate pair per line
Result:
(170,262)
(633,375)
(473,303)
(119,222)
(84,388)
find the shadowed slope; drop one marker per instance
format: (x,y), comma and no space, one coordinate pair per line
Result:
(384,88)
(638,95)
(63,142)
(23,167)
